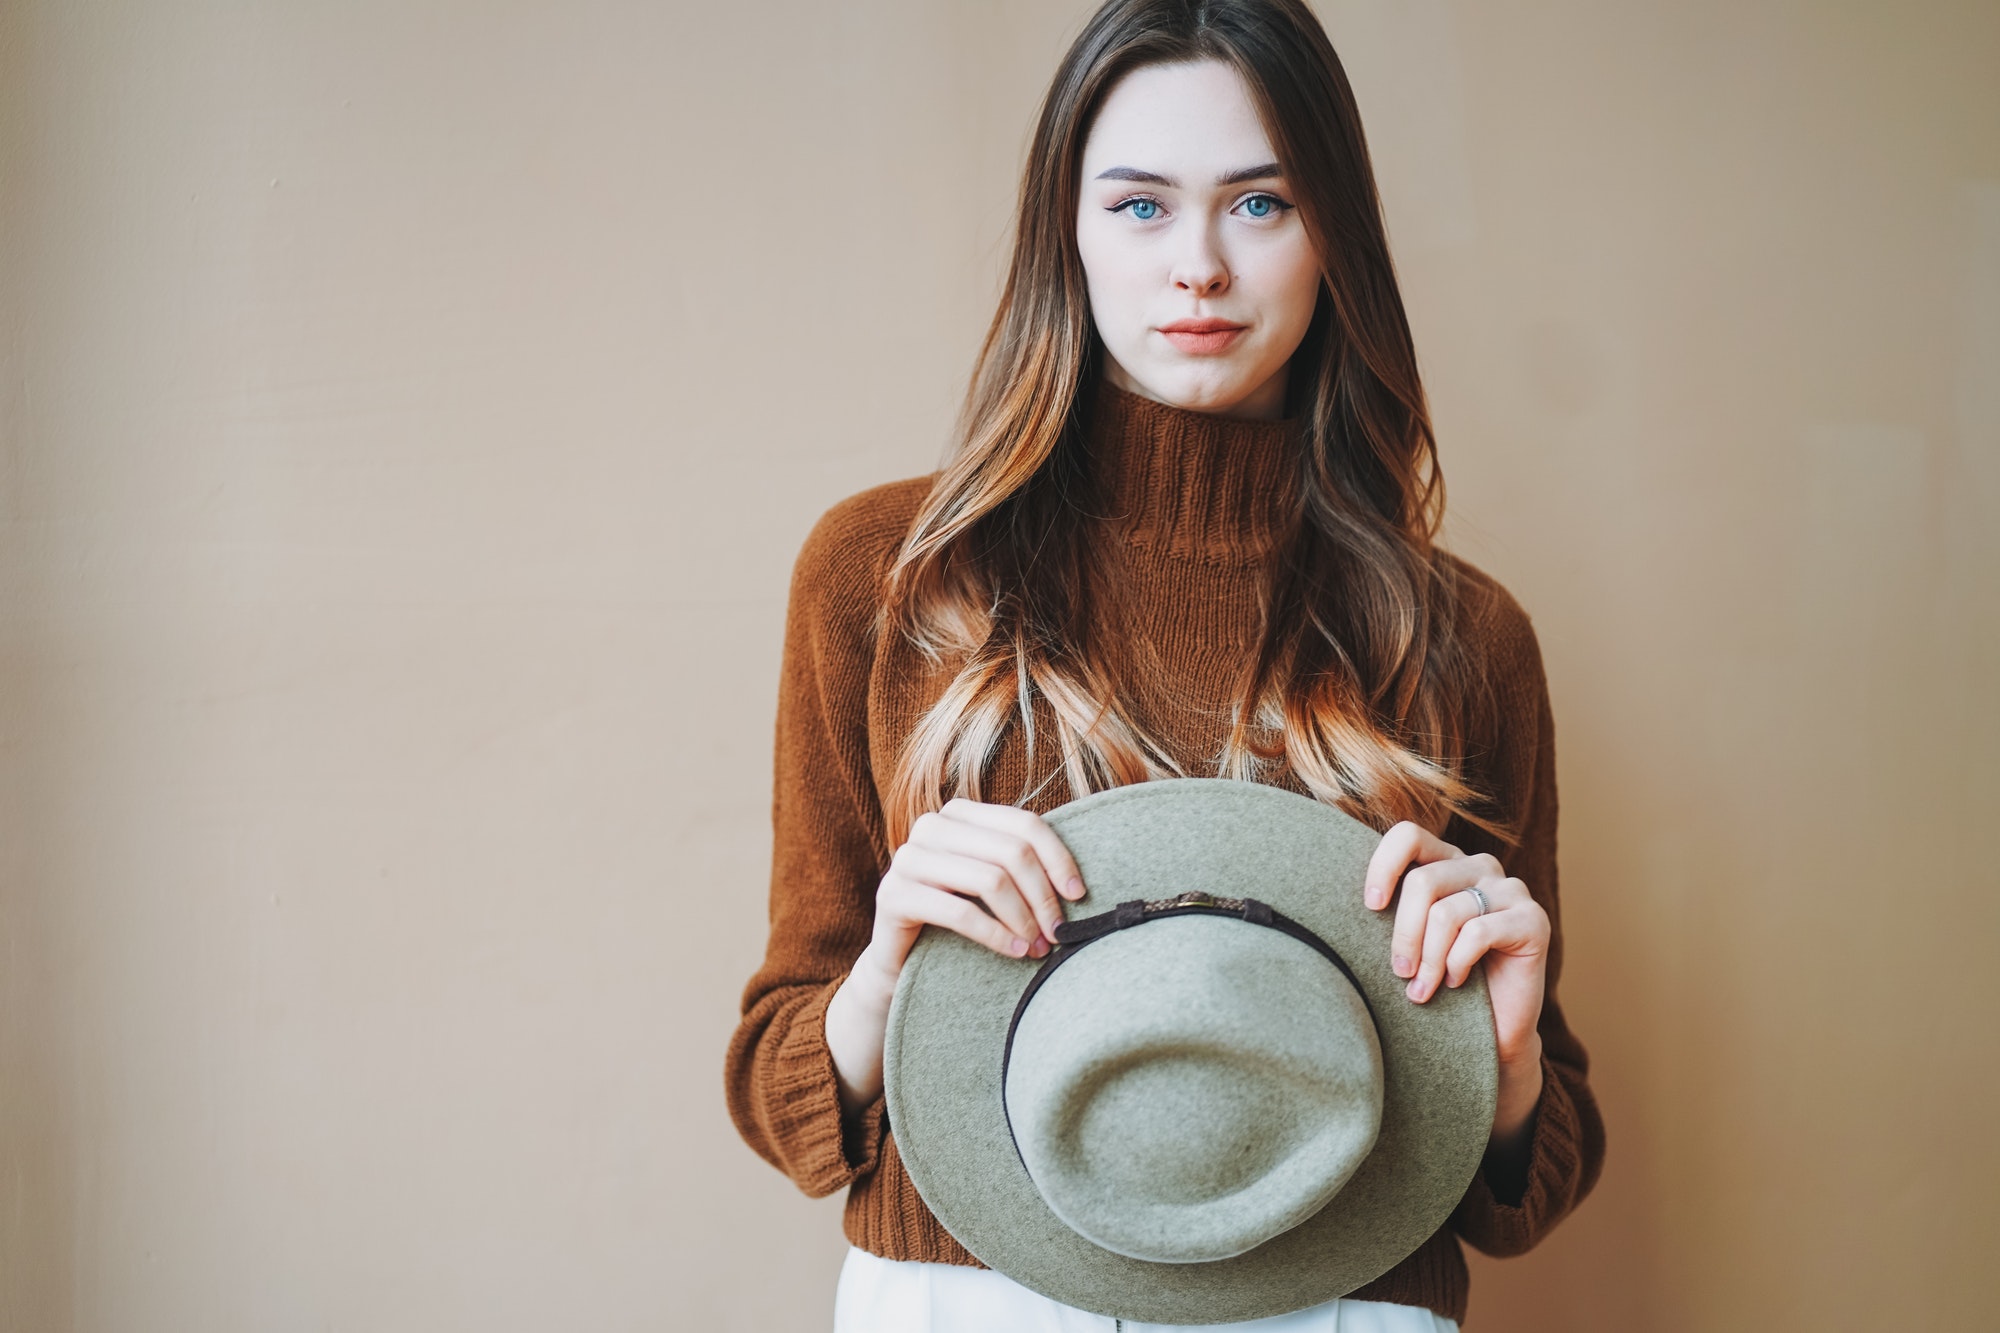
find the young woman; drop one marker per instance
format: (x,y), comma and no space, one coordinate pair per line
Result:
(1188,529)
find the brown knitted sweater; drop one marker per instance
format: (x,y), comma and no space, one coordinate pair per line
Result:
(1193,503)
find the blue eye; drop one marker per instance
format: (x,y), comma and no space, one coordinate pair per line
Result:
(1263,205)
(1143,209)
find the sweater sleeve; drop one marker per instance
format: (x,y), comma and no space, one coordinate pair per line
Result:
(827,856)
(1507,1212)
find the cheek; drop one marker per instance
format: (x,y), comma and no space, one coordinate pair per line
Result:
(1286,278)
(1296,278)
(1115,274)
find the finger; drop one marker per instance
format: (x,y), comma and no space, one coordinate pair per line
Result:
(1522,929)
(1057,863)
(912,901)
(1402,845)
(1012,853)
(1441,929)
(1475,939)
(939,831)
(1422,887)
(957,873)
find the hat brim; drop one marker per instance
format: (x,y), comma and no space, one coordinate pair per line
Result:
(947,1029)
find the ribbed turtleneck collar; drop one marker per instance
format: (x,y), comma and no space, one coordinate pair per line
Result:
(1190,483)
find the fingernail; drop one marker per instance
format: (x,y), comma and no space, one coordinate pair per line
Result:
(1400,966)
(1074,888)
(1018,947)
(1415,992)
(1039,948)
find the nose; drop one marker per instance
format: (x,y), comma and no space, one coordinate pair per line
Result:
(1199,268)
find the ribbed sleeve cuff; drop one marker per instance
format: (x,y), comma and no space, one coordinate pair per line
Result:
(1502,1227)
(823,1150)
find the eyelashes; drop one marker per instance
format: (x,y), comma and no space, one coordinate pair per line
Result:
(1141,207)
(1146,208)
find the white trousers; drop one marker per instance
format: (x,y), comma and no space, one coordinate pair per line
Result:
(878,1295)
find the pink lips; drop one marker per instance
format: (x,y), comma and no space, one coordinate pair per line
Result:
(1202,337)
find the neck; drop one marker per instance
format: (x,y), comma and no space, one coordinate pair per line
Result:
(1191,484)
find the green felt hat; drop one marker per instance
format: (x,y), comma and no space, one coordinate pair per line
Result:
(1212,1101)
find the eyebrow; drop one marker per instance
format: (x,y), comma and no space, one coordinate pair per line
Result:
(1262,171)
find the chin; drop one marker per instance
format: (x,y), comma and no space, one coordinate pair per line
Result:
(1198,389)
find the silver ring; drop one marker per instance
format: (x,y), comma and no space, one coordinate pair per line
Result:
(1483,907)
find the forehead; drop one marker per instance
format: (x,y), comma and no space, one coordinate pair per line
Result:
(1188,121)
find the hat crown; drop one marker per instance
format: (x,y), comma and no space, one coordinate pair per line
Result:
(1184,1090)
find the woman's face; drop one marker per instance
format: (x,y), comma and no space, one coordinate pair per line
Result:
(1201,278)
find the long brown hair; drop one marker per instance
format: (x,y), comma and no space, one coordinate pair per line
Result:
(1360,680)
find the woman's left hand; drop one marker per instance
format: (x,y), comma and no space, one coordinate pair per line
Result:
(1441,933)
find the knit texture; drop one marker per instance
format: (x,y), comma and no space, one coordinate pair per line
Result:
(1191,504)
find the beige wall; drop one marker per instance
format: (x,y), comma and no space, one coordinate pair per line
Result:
(411,412)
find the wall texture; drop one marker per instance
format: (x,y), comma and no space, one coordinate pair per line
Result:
(410,413)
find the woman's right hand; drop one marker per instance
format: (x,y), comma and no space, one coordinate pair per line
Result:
(992,873)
